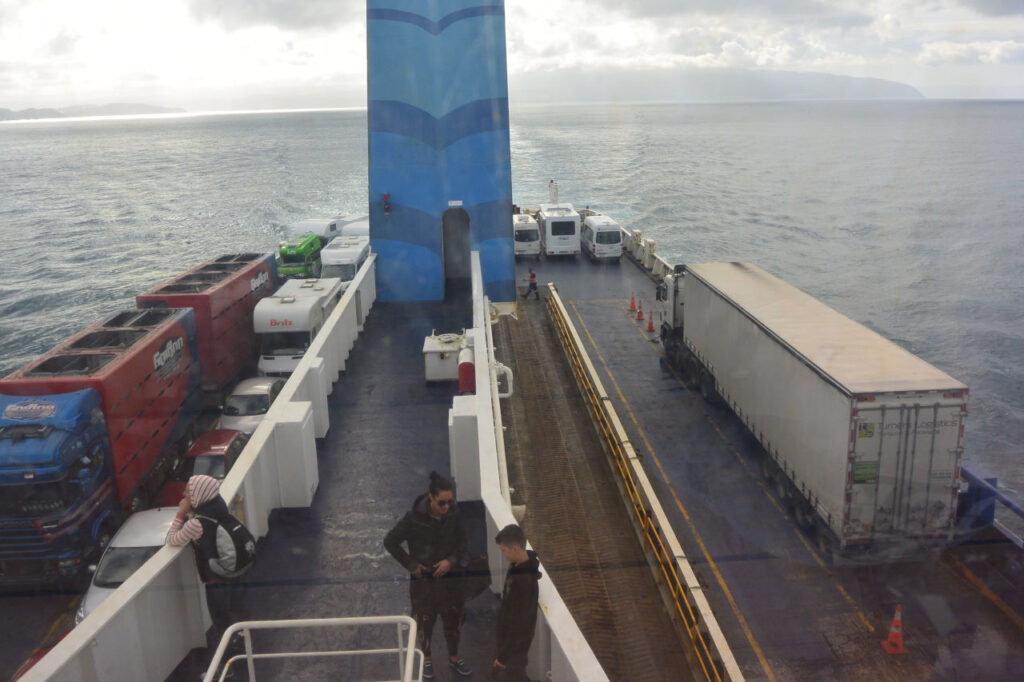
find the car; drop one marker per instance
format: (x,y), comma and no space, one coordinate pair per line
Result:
(248,402)
(212,454)
(139,538)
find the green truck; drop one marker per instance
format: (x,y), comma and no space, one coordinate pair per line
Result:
(300,256)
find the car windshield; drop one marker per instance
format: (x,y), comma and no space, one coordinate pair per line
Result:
(207,465)
(284,343)
(608,237)
(527,236)
(344,271)
(245,405)
(118,563)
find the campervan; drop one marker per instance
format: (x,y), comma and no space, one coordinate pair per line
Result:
(559,229)
(343,257)
(526,236)
(287,322)
(601,238)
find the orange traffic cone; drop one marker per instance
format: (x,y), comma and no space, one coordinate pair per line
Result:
(650,322)
(640,311)
(632,302)
(894,645)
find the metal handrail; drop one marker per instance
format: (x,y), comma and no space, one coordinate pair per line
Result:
(707,645)
(410,659)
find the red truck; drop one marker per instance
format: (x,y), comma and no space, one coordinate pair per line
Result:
(223,293)
(88,431)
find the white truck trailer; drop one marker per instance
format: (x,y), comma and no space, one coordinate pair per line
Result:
(861,438)
(287,322)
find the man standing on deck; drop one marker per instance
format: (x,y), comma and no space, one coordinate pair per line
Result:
(532,279)
(517,616)
(437,542)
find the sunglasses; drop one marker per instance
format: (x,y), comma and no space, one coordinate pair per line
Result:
(444,503)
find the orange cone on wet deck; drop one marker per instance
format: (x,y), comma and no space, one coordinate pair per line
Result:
(632,302)
(640,311)
(894,645)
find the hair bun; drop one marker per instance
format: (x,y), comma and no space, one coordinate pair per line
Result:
(434,475)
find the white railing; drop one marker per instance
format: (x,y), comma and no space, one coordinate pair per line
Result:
(642,252)
(144,630)
(559,651)
(409,659)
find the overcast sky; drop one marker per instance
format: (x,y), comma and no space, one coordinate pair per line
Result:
(258,54)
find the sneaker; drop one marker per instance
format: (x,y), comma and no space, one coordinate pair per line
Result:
(460,667)
(428,670)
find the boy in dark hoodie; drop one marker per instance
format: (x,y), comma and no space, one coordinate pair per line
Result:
(436,542)
(517,617)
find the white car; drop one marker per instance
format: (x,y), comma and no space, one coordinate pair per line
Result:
(245,407)
(141,536)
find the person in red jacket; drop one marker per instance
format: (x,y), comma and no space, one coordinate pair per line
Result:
(517,616)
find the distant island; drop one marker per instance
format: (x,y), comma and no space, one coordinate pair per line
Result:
(116,109)
(699,85)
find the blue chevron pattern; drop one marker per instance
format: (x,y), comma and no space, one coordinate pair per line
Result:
(438,131)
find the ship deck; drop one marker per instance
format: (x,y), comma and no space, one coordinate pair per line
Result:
(786,611)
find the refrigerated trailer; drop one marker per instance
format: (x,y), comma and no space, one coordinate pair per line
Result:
(862,438)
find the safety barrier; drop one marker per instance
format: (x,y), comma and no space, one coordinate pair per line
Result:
(559,651)
(409,658)
(707,650)
(641,252)
(144,630)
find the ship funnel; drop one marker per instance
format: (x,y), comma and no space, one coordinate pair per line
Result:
(552,192)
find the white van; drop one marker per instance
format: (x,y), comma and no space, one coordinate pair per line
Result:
(287,322)
(526,236)
(559,229)
(355,226)
(343,257)
(601,238)
(329,228)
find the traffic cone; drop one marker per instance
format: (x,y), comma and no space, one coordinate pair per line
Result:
(640,311)
(650,322)
(894,645)
(632,302)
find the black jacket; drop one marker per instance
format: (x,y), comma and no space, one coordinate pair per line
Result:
(517,617)
(429,540)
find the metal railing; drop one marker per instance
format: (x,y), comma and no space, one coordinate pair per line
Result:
(707,649)
(410,659)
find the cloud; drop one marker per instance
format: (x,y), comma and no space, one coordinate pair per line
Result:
(804,11)
(62,43)
(991,52)
(285,14)
(995,8)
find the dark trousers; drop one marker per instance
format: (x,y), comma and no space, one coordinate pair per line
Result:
(433,597)
(514,670)
(532,290)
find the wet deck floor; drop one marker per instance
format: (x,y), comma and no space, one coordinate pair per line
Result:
(787,614)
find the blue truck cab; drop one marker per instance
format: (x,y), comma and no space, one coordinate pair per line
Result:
(56,486)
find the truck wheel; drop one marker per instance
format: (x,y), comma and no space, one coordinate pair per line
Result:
(782,488)
(804,515)
(707,388)
(767,467)
(692,369)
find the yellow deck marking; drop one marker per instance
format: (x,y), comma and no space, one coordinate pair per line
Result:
(771,498)
(682,509)
(981,587)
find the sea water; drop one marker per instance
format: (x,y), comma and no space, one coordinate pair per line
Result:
(905,216)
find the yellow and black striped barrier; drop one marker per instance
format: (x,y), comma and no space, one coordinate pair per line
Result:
(707,650)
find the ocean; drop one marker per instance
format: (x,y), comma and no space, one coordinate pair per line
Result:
(905,216)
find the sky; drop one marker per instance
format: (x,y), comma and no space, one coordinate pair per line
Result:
(205,55)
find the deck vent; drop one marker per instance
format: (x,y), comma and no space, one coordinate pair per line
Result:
(85,363)
(120,338)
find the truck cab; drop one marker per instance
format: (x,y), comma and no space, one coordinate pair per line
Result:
(56,495)
(300,256)
(525,236)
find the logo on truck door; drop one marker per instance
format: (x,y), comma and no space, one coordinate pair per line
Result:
(167,359)
(865,430)
(30,410)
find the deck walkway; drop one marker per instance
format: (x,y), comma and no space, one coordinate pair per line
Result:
(786,613)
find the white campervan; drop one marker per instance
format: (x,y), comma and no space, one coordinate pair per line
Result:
(329,228)
(559,229)
(525,236)
(601,238)
(287,322)
(343,257)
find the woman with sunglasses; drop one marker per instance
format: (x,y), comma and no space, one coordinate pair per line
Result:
(436,543)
